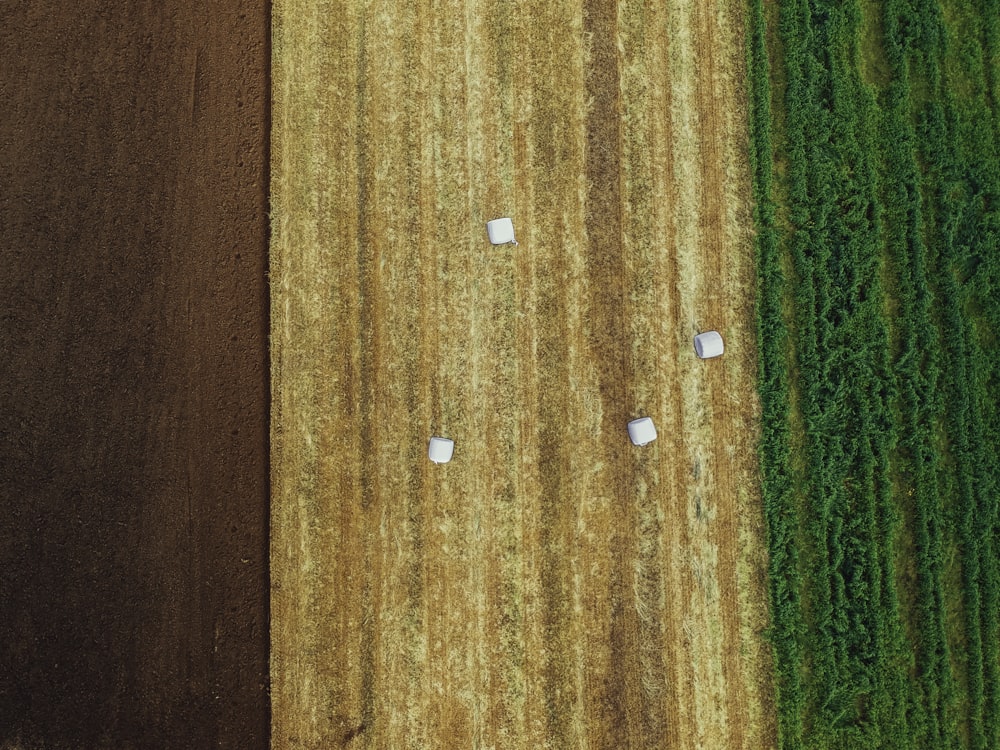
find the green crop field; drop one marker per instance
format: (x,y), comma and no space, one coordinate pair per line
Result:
(874,133)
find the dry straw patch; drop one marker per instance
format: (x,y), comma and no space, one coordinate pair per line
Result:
(552,586)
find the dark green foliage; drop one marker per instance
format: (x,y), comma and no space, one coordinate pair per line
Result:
(877,325)
(779,501)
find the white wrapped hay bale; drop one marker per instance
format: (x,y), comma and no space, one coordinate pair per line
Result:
(440,450)
(501,231)
(641,431)
(708,344)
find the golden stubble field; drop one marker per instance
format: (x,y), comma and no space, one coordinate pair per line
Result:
(553,586)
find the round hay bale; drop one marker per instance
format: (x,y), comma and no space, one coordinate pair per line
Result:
(440,450)
(641,431)
(708,344)
(501,231)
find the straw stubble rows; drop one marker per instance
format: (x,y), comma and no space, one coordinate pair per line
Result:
(552,586)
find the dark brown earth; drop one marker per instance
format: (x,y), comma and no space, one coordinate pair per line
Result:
(133,374)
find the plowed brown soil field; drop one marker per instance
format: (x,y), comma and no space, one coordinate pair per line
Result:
(553,585)
(133,375)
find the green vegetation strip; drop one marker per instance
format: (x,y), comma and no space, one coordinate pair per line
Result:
(877,201)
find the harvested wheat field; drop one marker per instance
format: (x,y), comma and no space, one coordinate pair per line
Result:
(553,586)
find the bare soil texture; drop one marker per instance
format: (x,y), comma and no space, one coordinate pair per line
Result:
(553,586)
(133,374)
